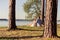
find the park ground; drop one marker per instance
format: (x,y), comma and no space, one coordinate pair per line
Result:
(25,33)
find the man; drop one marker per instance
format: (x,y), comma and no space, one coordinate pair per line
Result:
(39,22)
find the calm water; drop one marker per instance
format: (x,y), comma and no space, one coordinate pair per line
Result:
(5,23)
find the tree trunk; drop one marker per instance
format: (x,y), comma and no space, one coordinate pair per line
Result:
(42,10)
(12,24)
(50,29)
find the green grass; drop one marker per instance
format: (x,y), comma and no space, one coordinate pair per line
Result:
(30,28)
(26,31)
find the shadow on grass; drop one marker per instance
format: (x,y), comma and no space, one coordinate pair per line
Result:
(28,29)
(23,37)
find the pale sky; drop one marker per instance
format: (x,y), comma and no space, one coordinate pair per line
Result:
(4,11)
(20,14)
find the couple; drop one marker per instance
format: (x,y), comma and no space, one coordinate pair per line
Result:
(36,22)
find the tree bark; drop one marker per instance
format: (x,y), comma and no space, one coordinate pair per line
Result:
(50,29)
(12,24)
(42,10)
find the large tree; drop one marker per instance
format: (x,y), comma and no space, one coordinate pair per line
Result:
(32,8)
(50,29)
(42,10)
(12,24)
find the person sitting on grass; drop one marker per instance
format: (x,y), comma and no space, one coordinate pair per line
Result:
(39,22)
(34,23)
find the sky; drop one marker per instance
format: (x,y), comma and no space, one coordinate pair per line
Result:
(20,14)
(4,9)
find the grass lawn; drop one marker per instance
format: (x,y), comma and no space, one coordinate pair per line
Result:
(25,33)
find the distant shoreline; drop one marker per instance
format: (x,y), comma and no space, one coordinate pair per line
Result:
(16,20)
(21,20)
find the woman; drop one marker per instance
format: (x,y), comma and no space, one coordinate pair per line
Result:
(34,23)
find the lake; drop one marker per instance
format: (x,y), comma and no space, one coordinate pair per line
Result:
(5,23)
